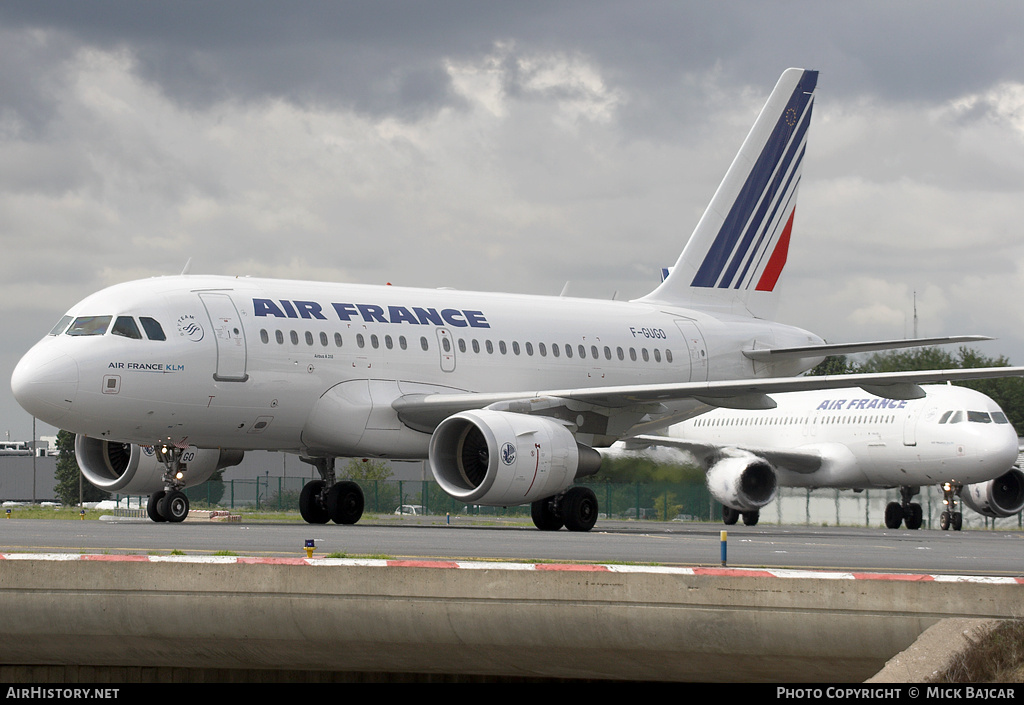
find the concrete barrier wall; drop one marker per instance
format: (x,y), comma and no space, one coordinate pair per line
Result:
(473,619)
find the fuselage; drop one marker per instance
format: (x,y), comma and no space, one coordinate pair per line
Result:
(953,434)
(240,362)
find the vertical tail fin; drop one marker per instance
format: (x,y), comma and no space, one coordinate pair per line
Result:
(735,255)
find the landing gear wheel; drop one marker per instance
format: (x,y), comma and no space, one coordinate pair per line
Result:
(579,509)
(345,502)
(893,515)
(913,516)
(957,521)
(729,515)
(750,518)
(153,506)
(544,516)
(944,521)
(312,511)
(174,506)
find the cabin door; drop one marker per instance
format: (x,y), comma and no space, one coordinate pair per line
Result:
(229,337)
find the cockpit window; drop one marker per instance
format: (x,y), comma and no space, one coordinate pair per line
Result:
(125,326)
(89,325)
(61,326)
(945,417)
(979,417)
(154,331)
(999,417)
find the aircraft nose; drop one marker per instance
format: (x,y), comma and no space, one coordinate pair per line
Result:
(45,384)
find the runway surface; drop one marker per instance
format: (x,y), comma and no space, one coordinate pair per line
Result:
(996,553)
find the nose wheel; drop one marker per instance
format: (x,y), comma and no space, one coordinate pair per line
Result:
(951,517)
(169,504)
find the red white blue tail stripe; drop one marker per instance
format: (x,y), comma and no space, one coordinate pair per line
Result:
(752,243)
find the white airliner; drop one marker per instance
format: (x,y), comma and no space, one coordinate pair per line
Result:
(166,380)
(848,439)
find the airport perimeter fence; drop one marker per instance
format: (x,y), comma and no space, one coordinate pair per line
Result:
(663,502)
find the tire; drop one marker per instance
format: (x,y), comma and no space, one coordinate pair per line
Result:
(914,517)
(345,502)
(312,511)
(544,516)
(579,509)
(944,521)
(153,506)
(957,521)
(893,515)
(729,515)
(174,506)
(751,518)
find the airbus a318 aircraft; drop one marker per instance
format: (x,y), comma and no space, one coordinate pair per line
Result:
(954,437)
(165,380)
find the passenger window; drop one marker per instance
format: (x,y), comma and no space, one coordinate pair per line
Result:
(264,336)
(154,331)
(62,325)
(89,325)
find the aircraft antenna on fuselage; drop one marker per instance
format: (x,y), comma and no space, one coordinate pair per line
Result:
(736,254)
(187,268)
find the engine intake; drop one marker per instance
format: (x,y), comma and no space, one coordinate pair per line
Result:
(1001,497)
(502,459)
(744,483)
(134,469)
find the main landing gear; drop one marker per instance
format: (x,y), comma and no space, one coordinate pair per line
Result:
(951,517)
(169,504)
(904,512)
(730,516)
(325,500)
(575,509)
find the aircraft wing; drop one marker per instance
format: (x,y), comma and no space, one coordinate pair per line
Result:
(801,461)
(425,411)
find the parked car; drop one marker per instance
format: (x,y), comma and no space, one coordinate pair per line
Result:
(413,509)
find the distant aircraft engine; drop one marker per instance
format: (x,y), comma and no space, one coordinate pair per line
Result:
(745,483)
(134,469)
(1001,497)
(503,459)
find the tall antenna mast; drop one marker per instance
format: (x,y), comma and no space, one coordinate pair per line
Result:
(915,314)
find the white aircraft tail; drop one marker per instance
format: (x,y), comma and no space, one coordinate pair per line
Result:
(735,255)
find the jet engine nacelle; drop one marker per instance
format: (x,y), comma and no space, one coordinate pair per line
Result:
(503,459)
(1001,497)
(133,469)
(745,483)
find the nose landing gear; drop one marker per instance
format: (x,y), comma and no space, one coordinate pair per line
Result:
(170,504)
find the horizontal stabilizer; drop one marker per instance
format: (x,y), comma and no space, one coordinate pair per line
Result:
(774,354)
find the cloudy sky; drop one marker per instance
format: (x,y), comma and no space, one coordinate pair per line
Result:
(507,146)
